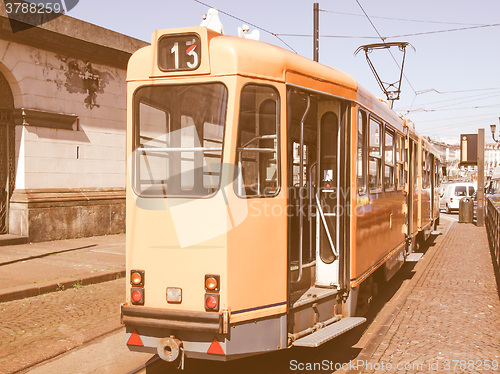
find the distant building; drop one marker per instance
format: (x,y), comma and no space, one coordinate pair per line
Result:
(62,129)
(450,157)
(491,157)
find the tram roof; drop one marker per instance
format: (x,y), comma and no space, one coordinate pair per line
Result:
(263,60)
(231,55)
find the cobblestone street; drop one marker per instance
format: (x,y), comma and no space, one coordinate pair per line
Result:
(38,328)
(450,322)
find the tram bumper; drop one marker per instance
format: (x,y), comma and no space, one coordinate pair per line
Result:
(173,333)
(155,318)
(201,335)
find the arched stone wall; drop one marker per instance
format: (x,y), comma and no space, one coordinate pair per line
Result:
(7,152)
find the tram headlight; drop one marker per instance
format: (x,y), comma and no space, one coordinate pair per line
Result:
(137,277)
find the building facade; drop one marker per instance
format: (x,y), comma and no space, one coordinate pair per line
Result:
(491,157)
(62,129)
(450,158)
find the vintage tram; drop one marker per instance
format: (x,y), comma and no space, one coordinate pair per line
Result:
(266,195)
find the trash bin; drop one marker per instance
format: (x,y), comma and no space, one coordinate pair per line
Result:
(466,210)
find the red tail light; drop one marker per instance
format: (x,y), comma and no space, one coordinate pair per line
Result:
(212,302)
(137,295)
(451,199)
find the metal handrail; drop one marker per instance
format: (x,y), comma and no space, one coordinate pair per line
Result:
(493,230)
(179,149)
(259,138)
(301,185)
(327,230)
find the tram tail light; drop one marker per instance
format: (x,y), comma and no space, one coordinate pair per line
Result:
(212,302)
(451,199)
(137,295)
(211,282)
(137,278)
(212,287)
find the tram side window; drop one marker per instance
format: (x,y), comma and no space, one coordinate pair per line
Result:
(257,150)
(375,156)
(399,162)
(415,167)
(389,161)
(425,170)
(361,152)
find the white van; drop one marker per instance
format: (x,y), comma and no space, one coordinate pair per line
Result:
(450,198)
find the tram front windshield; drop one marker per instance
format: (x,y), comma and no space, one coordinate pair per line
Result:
(178,139)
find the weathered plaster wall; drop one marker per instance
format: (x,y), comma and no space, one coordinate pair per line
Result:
(93,153)
(68,80)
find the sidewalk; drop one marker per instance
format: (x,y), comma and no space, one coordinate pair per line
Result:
(33,269)
(448,318)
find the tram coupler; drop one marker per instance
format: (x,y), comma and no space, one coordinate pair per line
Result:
(171,349)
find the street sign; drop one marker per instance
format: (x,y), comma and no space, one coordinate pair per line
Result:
(468,149)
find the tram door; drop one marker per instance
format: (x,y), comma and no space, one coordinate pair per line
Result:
(327,195)
(318,174)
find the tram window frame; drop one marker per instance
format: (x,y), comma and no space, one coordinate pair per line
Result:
(374,157)
(400,146)
(416,160)
(389,163)
(425,169)
(177,117)
(240,188)
(362,152)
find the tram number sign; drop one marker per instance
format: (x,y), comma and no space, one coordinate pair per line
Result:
(179,52)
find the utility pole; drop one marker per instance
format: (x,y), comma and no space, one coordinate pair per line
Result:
(316,33)
(480,178)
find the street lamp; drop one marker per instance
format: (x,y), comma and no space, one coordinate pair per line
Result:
(493,129)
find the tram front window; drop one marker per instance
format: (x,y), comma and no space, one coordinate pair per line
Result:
(178,139)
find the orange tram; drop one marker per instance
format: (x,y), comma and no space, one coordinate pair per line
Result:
(267,195)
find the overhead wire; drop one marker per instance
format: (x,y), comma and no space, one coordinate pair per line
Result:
(453,118)
(463,108)
(394,36)
(402,19)
(443,31)
(379,36)
(457,91)
(460,99)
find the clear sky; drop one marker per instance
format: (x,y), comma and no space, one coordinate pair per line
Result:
(463,66)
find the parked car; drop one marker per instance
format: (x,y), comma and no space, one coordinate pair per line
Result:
(449,200)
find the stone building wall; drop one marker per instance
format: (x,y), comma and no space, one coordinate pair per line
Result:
(68,82)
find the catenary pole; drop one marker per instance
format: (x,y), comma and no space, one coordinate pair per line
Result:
(316,32)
